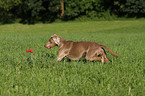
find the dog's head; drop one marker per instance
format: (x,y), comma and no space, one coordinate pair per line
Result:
(53,41)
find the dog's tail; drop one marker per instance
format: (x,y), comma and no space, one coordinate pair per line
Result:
(109,50)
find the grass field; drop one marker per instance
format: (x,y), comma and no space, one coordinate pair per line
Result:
(39,74)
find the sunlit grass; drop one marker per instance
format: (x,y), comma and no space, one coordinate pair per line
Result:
(39,73)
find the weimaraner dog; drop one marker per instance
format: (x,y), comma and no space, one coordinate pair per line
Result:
(76,50)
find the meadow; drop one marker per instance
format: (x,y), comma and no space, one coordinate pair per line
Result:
(39,74)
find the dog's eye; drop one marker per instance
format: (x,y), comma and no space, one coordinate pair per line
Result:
(50,41)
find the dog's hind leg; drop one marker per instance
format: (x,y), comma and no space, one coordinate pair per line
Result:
(94,54)
(97,54)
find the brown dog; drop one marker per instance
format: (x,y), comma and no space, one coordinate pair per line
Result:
(76,50)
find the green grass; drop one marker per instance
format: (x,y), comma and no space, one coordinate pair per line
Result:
(39,74)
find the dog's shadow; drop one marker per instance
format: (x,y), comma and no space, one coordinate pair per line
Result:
(81,60)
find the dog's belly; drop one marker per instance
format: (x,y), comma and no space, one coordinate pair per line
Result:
(76,55)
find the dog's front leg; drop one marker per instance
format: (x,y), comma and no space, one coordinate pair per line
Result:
(61,55)
(59,58)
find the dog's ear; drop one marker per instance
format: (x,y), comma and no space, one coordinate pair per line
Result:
(54,35)
(56,40)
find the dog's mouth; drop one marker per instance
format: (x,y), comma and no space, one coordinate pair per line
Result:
(49,47)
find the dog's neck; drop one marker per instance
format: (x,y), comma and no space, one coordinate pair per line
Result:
(61,42)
